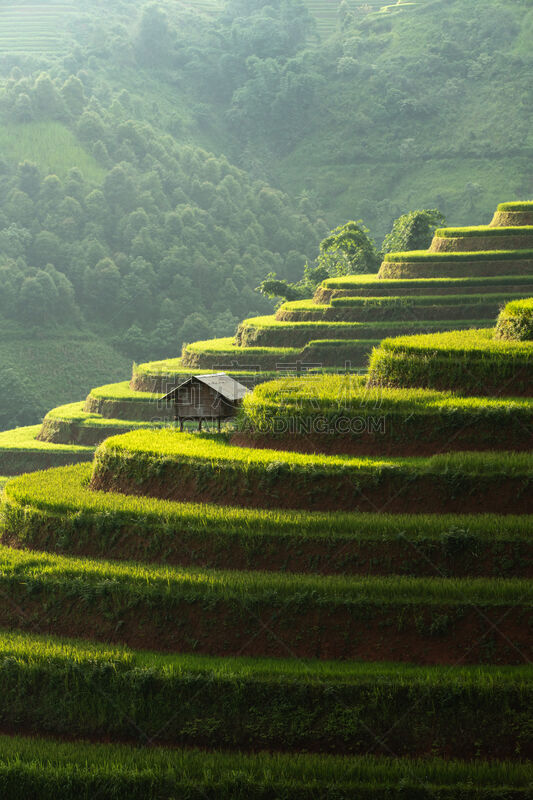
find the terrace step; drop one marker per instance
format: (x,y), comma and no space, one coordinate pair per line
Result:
(482,237)
(375,309)
(338,414)
(70,424)
(57,512)
(193,468)
(469,362)
(251,703)
(270,332)
(355,286)
(183,610)
(22,451)
(49,768)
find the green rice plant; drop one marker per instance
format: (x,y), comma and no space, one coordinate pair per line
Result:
(343,407)
(21,451)
(392,301)
(219,612)
(485,230)
(56,511)
(463,256)
(159,376)
(270,332)
(252,703)
(516,206)
(71,424)
(360,282)
(470,362)
(119,401)
(516,321)
(80,771)
(214,352)
(190,467)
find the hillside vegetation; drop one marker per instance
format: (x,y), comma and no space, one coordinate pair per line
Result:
(159,160)
(228,595)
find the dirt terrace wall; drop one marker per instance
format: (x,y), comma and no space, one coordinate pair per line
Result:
(457,269)
(505,219)
(465,244)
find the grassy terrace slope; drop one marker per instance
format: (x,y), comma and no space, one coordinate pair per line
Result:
(50,144)
(460,282)
(341,414)
(60,367)
(272,332)
(425,620)
(208,468)
(345,574)
(37,27)
(416,309)
(337,329)
(240,701)
(471,362)
(51,769)
(56,508)
(22,451)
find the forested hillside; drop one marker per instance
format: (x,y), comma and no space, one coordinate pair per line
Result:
(158,160)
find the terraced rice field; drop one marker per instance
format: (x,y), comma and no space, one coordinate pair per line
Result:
(293,623)
(326,12)
(36,27)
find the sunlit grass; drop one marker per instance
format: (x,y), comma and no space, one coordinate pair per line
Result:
(485,230)
(74,413)
(67,767)
(165,445)
(357,281)
(160,587)
(65,491)
(24,439)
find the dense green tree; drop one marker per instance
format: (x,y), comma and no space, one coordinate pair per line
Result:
(73,95)
(413,231)
(47,101)
(38,299)
(29,178)
(348,249)
(23,110)
(90,127)
(46,249)
(101,287)
(195,327)
(154,39)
